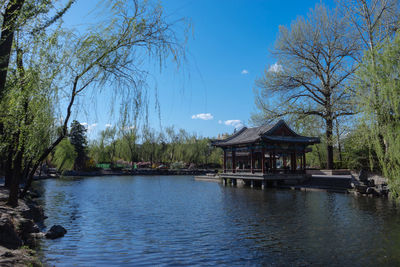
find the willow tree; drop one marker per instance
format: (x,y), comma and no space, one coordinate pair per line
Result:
(105,57)
(64,156)
(29,14)
(374,21)
(382,70)
(314,61)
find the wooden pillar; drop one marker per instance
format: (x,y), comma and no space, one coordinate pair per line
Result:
(304,161)
(294,161)
(263,160)
(274,160)
(301,162)
(251,183)
(284,161)
(224,161)
(270,161)
(251,161)
(233,161)
(263,184)
(291,162)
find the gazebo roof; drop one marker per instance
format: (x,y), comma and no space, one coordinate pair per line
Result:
(277,133)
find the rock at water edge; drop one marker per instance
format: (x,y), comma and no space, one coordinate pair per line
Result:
(56,231)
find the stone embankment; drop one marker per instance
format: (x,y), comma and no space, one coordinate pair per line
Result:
(340,181)
(365,183)
(20,231)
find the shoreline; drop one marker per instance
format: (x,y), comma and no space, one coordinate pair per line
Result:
(339,181)
(20,231)
(346,184)
(127,172)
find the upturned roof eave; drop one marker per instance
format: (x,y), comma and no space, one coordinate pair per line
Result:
(265,136)
(295,139)
(226,144)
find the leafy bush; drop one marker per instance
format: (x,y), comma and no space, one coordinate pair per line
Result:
(178,165)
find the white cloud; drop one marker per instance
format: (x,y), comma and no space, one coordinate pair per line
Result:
(91,126)
(244,72)
(108,125)
(275,68)
(220,122)
(234,123)
(203,116)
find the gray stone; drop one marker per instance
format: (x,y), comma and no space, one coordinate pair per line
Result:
(361,188)
(56,231)
(35,212)
(371,183)
(8,236)
(8,254)
(363,176)
(373,191)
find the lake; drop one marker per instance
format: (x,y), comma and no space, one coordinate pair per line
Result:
(175,220)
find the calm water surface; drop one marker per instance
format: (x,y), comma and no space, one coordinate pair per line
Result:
(175,220)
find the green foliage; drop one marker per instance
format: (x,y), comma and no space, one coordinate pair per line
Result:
(378,87)
(78,140)
(64,156)
(171,147)
(358,153)
(26,121)
(178,165)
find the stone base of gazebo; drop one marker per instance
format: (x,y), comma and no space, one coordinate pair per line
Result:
(265,180)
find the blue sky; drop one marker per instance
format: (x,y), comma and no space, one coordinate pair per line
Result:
(228,50)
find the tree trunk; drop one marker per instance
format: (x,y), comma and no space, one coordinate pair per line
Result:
(56,142)
(329,135)
(8,168)
(16,177)
(7,34)
(339,143)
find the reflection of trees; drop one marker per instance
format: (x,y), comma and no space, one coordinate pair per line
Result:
(312,227)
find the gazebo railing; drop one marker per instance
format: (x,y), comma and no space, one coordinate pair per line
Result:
(267,171)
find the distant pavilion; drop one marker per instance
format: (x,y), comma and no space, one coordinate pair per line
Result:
(269,152)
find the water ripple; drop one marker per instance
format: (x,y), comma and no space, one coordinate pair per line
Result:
(176,221)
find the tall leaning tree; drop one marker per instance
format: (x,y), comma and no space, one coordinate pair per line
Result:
(104,59)
(315,58)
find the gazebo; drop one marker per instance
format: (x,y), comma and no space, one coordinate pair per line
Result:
(269,152)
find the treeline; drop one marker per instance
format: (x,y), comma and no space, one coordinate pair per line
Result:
(170,148)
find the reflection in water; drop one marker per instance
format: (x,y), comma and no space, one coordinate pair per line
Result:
(174,220)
